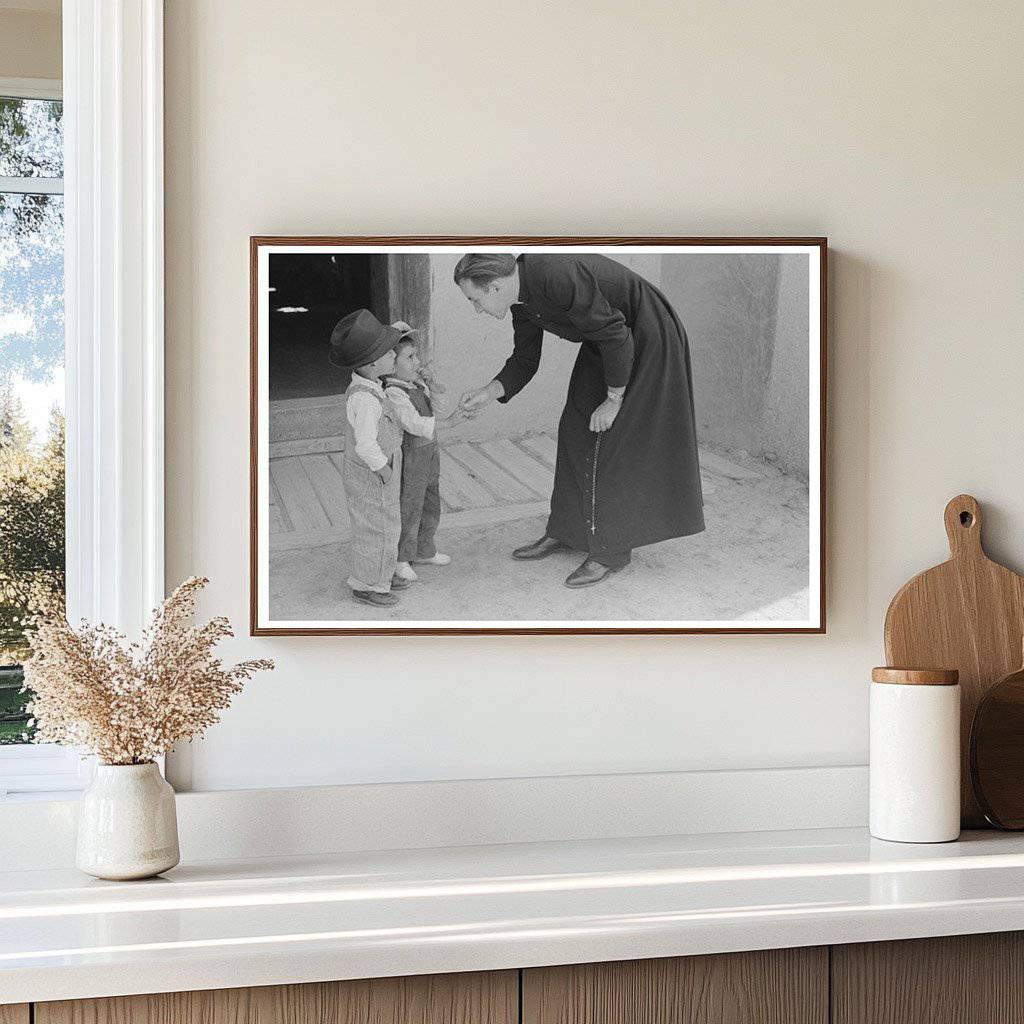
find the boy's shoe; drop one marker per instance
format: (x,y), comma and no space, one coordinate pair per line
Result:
(404,571)
(397,583)
(437,559)
(372,597)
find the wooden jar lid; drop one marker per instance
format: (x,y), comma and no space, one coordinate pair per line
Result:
(916,676)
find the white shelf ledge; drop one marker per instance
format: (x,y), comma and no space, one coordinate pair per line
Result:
(271,921)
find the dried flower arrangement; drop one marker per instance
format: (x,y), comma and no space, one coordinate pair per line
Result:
(130,703)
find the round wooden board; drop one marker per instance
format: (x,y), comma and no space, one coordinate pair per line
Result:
(997,752)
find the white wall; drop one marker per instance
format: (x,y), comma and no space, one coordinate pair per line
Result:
(785,419)
(746,321)
(895,129)
(470,348)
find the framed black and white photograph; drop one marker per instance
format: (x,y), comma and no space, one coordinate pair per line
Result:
(537,435)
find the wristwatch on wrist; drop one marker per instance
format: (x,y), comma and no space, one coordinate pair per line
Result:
(615,396)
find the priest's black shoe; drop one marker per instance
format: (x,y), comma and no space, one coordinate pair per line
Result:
(589,573)
(539,548)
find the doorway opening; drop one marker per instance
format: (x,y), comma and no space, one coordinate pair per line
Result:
(311,292)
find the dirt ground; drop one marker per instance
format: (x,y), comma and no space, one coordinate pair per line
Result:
(751,563)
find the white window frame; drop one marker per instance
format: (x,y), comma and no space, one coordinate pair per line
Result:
(31,89)
(114,347)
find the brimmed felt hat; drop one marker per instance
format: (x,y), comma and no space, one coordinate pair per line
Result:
(359,339)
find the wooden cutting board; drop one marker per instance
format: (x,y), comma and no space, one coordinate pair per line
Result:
(967,614)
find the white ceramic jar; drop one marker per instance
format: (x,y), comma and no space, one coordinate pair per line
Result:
(127,823)
(915,755)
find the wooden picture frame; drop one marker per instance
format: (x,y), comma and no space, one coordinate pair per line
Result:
(397,286)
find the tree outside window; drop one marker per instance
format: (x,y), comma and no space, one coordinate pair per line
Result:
(31,385)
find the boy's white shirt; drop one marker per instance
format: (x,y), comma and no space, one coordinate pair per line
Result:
(412,422)
(364,412)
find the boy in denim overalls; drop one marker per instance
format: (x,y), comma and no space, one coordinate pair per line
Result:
(411,400)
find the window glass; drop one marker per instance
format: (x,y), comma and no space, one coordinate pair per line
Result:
(31,387)
(31,138)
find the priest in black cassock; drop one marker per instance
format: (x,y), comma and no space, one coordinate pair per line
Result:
(627,472)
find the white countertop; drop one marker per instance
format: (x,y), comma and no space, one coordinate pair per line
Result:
(224,924)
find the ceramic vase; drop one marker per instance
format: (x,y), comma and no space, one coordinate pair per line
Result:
(127,825)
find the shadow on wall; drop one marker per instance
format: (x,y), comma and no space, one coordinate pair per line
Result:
(746,318)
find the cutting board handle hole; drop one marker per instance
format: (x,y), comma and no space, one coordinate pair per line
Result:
(962,517)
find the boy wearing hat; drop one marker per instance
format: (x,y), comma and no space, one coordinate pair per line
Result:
(372,466)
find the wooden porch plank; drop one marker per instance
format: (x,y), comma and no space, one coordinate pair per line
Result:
(543,445)
(297,495)
(337,458)
(275,500)
(460,488)
(521,464)
(503,484)
(327,483)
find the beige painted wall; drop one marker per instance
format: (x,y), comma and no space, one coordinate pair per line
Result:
(30,42)
(896,129)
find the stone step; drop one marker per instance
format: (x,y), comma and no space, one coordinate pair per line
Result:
(303,418)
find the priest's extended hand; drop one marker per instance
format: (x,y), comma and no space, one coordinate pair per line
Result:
(473,402)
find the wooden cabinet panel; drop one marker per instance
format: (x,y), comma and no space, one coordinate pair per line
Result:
(14,1013)
(479,998)
(962,979)
(778,986)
